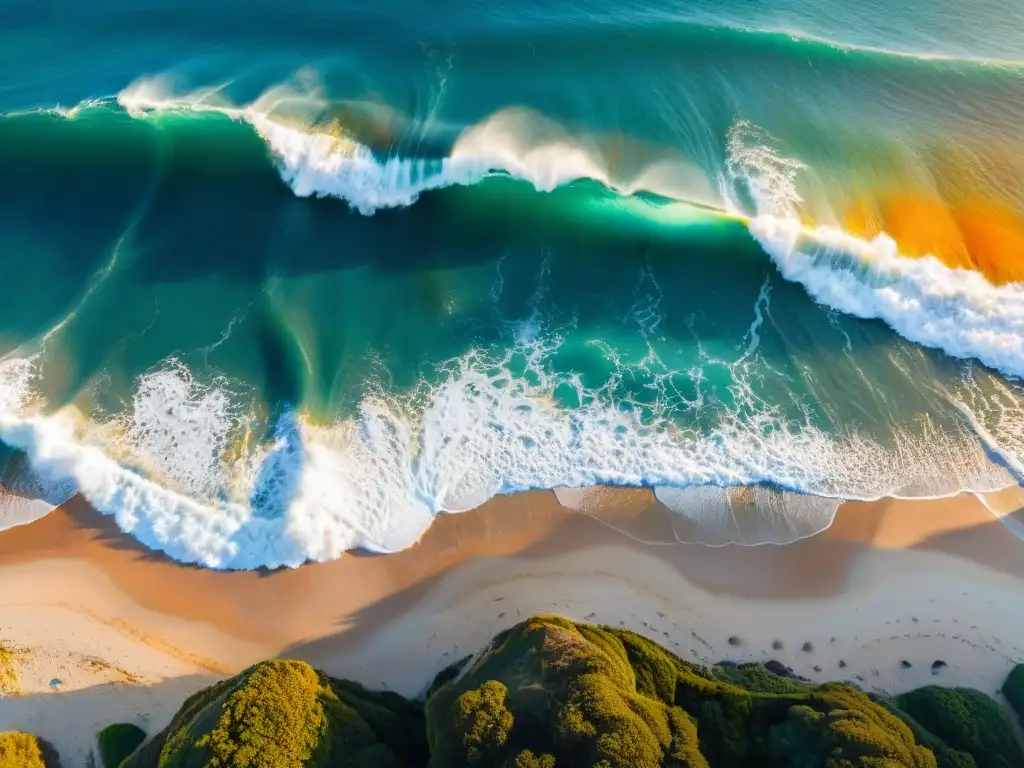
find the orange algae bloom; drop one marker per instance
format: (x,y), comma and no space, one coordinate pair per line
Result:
(970,234)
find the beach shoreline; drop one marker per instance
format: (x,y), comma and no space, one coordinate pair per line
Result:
(889,590)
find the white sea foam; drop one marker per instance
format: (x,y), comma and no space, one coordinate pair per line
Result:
(323,160)
(922,299)
(378,480)
(24,494)
(955,310)
(325,165)
(179,429)
(995,411)
(513,142)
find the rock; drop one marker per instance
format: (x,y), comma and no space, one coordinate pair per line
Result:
(777,645)
(842,664)
(817,668)
(906,664)
(735,640)
(938,665)
(807,647)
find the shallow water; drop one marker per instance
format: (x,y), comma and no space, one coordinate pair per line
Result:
(282,282)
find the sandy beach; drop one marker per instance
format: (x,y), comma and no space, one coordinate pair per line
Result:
(101,627)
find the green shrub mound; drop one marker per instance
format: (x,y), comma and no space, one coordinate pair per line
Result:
(553,693)
(550,692)
(1013,690)
(118,741)
(285,714)
(966,721)
(945,756)
(23,750)
(756,679)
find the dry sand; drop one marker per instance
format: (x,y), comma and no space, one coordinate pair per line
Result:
(129,634)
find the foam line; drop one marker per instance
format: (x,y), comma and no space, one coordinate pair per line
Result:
(377,481)
(922,299)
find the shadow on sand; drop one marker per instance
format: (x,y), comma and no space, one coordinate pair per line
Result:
(70,720)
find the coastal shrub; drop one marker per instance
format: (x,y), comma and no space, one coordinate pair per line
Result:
(20,750)
(968,721)
(526,759)
(278,712)
(483,721)
(654,669)
(552,692)
(722,712)
(684,750)
(1013,690)
(118,741)
(394,720)
(952,758)
(284,714)
(448,673)
(839,726)
(578,695)
(24,750)
(755,678)
(944,755)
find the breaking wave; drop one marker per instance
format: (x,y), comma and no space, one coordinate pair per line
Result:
(955,310)
(186,481)
(180,472)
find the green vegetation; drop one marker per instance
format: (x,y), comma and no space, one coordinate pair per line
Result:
(1013,690)
(756,679)
(117,742)
(553,693)
(945,756)
(23,750)
(967,721)
(284,714)
(448,673)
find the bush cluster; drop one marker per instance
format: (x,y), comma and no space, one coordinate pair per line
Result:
(966,721)
(557,693)
(553,693)
(23,750)
(285,714)
(117,742)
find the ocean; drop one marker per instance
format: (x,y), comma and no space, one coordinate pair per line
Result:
(284,280)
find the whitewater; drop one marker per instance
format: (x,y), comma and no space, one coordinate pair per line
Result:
(171,472)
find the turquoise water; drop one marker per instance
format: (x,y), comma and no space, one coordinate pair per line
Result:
(282,281)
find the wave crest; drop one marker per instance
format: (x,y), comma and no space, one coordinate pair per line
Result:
(956,310)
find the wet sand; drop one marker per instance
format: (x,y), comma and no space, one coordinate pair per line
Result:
(890,582)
